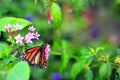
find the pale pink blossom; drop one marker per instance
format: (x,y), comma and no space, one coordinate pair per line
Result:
(47,49)
(36,35)
(9,26)
(31,28)
(29,37)
(18,27)
(19,39)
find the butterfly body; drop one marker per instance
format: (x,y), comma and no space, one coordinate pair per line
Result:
(35,56)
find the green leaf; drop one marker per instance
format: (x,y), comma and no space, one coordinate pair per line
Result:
(118,71)
(56,15)
(7,59)
(56,49)
(2,75)
(89,75)
(65,56)
(92,50)
(86,52)
(12,20)
(105,71)
(5,68)
(20,71)
(99,49)
(77,67)
(118,1)
(4,49)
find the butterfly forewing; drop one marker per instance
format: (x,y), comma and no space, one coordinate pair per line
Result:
(30,53)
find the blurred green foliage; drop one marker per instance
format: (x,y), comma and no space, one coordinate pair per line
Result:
(75,52)
(4,49)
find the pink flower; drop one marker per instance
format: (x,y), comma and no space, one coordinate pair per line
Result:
(48,15)
(31,28)
(47,49)
(8,26)
(19,39)
(36,35)
(31,35)
(18,27)
(28,37)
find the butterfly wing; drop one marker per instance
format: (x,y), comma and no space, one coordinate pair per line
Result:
(42,59)
(35,56)
(32,55)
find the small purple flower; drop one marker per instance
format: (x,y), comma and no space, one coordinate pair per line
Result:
(29,17)
(94,32)
(18,27)
(36,35)
(56,76)
(31,28)
(28,37)
(47,49)
(19,39)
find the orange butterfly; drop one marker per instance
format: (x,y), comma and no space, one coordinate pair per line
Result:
(35,56)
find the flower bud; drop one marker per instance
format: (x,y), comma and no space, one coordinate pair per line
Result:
(6,30)
(12,32)
(48,15)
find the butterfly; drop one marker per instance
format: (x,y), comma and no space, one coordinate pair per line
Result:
(35,56)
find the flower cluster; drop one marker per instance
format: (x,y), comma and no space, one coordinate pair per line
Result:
(20,39)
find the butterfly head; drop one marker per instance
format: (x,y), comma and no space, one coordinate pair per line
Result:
(42,47)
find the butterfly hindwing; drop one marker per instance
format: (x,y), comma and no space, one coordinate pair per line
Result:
(43,59)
